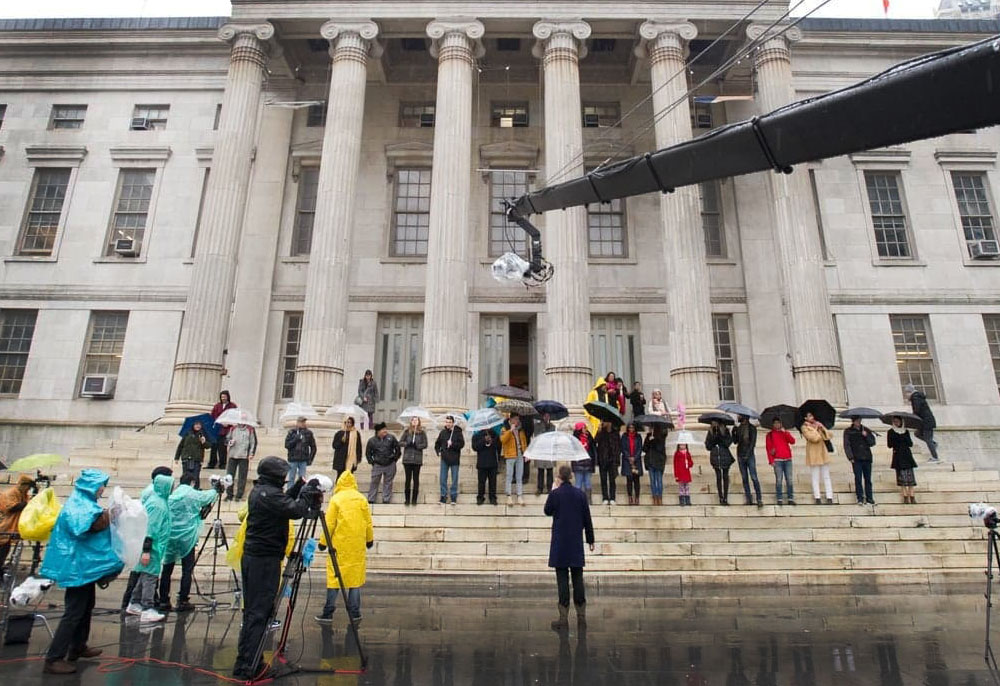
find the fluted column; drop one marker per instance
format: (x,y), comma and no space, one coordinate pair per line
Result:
(694,377)
(320,372)
(568,369)
(445,370)
(200,358)
(815,359)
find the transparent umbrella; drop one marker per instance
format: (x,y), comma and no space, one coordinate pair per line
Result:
(459,418)
(342,412)
(296,409)
(483,419)
(236,415)
(556,446)
(427,420)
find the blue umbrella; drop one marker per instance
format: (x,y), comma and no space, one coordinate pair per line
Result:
(553,408)
(738,409)
(207,425)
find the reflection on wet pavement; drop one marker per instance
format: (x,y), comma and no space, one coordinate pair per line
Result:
(446,635)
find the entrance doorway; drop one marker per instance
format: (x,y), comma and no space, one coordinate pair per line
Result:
(507,351)
(398,355)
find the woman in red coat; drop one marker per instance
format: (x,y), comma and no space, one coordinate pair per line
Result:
(683,462)
(616,392)
(217,458)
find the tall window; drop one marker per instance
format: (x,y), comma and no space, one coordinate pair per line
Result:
(417,115)
(17,328)
(105,342)
(3,113)
(41,223)
(606,229)
(509,115)
(218,117)
(711,219)
(973,207)
(914,358)
(725,355)
(888,215)
(201,209)
(68,116)
(149,117)
(992,323)
(316,114)
(305,211)
(601,114)
(128,223)
(412,212)
(290,338)
(506,236)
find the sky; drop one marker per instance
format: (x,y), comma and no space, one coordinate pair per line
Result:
(898,9)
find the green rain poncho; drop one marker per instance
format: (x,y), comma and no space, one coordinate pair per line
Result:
(158,526)
(186,505)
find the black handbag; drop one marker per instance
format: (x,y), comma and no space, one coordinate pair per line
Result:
(829,445)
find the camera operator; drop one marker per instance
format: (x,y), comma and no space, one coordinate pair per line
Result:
(188,508)
(12,501)
(269,509)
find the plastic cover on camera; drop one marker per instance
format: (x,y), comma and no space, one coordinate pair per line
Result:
(510,267)
(128,527)
(324,483)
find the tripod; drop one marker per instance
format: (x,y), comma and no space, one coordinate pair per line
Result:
(992,554)
(290,581)
(217,534)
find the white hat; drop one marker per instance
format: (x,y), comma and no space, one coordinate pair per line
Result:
(685,437)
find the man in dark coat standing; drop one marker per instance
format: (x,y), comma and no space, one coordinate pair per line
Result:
(921,408)
(570,514)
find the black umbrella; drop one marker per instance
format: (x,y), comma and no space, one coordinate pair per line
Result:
(720,417)
(604,412)
(786,413)
(861,413)
(555,409)
(650,420)
(737,409)
(910,420)
(505,391)
(818,408)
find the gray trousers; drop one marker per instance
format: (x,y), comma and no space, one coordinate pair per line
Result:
(384,473)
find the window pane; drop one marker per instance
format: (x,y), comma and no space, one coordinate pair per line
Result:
(606,229)
(290,354)
(992,323)
(711,220)
(38,235)
(17,328)
(135,189)
(973,207)
(504,235)
(913,353)
(305,211)
(316,115)
(411,219)
(725,355)
(601,114)
(888,216)
(105,343)
(506,115)
(155,115)
(417,114)
(68,116)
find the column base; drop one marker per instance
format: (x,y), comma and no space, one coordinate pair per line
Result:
(820,381)
(696,387)
(195,390)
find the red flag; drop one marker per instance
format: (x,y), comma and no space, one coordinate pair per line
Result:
(885,5)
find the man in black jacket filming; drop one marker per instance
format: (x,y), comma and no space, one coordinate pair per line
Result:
(269,510)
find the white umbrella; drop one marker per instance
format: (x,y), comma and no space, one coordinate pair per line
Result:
(685,437)
(486,418)
(344,411)
(235,416)
(297,409)
(459,418)
(556,446)
(427,420)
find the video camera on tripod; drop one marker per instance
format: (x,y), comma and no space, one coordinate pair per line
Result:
(221,483)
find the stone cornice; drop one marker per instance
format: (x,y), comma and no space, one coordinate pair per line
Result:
(507,154)
(652,30)
(38,292)
(135,153)
(885,157)
(546,29)
(971,158)
(46,154)
(204,153)
(469,27)
(409,154)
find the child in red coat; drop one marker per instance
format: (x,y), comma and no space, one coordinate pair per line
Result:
(682,467)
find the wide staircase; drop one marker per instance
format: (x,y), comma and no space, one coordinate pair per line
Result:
(930,542)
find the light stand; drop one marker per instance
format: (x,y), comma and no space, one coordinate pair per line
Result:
(992,554)
(217,534)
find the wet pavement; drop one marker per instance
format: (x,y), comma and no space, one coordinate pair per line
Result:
(448,634)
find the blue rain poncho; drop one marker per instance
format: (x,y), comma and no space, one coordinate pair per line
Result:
(75,555)
(158,524)
(186,505)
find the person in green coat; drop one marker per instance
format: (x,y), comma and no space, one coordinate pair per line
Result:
(188,509)
(153,551)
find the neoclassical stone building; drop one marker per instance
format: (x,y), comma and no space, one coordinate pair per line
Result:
(274,202)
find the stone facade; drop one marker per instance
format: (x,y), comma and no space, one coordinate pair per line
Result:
(250,246)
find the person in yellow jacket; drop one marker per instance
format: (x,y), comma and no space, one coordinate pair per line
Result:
(817,455)
(513,443)
(599,394)
(349,519)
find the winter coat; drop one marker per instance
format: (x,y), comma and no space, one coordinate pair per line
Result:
(596,394)
(270,508)
(191,448)
(185,505)
(12,501)
(655,448)
(717,444)
(346,450)
(414,445)
(368,392)
(608,447)
(301,445)
(816,452)
(450,455)
(616,395)
(920,407)
(79,551)
(638,401)
(570,512)
(659,408)
(487,449)
(683,462)
(242,443)
(509,444)
(779,445)
(587,441)
(858,444)
(218,409)
(158,525)
(902,455)
(745,438)
(349,520)
(631,448)
(382,451)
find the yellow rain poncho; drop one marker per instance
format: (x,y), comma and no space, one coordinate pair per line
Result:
(349,520)
(593,423)
(235,553)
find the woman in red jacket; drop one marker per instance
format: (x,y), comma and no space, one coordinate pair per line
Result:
(219,449)
(779,456)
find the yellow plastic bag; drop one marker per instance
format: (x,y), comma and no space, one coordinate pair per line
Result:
(235,553)
(39,516)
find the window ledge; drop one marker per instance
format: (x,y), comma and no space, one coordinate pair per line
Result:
(31,258)
(829,263)
(720,260)
(969,262)
(902,262)
(296,259)
(402,260)
(612,260)
(189,260)
(120,260)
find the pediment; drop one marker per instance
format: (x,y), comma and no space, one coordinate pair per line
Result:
(509,154)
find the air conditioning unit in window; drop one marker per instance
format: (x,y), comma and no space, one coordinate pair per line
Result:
(139,124)
(126,247)
(98,386)
(427,120)
(984,250)
(591,121)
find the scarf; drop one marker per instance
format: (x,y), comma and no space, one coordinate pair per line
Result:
(353,449)
(899,429)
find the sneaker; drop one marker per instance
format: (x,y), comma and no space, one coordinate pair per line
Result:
(791,502)
(605,502)
(357,620)
(510,500)
(779,502)
(870,501)
(324,619)
(453,502)
(151,617)
(493,501)
(760,503)
(164,608)
(134,609)
(613,502)
(861,502)
(443,501)
(934,460)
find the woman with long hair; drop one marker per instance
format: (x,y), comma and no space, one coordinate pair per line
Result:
(414,442)
(367,396)
(346,449)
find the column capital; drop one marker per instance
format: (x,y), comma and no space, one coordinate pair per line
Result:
(572,34)
(262,31)
(773,46)
(470,31)
(352,36)
(656,35)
